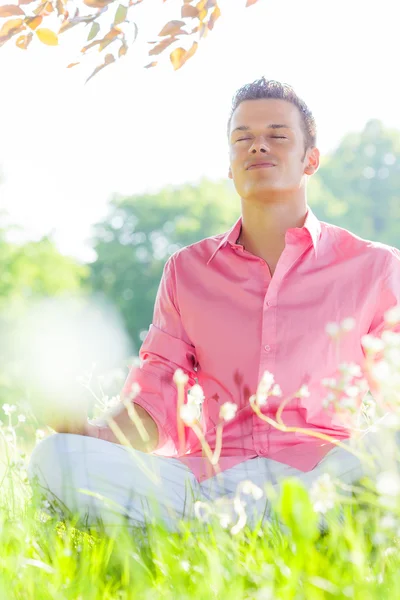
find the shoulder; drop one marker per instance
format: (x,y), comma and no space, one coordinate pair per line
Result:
(197,252)
(348,241)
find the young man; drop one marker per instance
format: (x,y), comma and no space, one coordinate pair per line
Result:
(230,307)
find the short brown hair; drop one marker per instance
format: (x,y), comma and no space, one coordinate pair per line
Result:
(264,88)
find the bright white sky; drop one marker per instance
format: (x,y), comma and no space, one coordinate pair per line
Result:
(65,148)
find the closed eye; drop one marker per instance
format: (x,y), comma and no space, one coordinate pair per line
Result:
(280,137)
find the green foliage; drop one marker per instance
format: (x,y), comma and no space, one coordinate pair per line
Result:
(363,179)
(142,231)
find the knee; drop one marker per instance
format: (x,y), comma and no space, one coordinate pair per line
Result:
(46,460)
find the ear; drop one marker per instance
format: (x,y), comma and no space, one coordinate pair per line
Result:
(312,162)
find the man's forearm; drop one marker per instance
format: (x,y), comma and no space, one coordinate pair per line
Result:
(128,428)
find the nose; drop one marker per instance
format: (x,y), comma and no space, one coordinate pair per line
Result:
(259,145)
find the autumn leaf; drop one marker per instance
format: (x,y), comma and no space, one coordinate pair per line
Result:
(172,28)
(45,8)
(10,28)
(123,50)
(94,30)
(24,40)
(250,2)
(162,45)
(152,64)
(9,10)
(189,11)
(107,61)
(180,56)
(46,36)
(110,37)
(97,3)
(72,65)
(33,22)
(120,14)
(214,16)
(60,6)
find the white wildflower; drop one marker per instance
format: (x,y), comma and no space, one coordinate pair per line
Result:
(380,370)
(303,392)
(196,394)
(392,316)
(332,329)
(250,489)
(388,484)
(264,387)
(180,377)
(391,338)
(190,413)
(393,356)
(372,344)
(323,493)
(276,390)
(352,391)
(21,418)
(203,511)
(9,408)
(40,434)
(329,382)
(225,520)
(239,507)
(228,411)
(350,369)
(348,403)
(185,565)
(348,324)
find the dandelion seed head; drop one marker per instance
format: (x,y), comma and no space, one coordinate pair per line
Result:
(228,411)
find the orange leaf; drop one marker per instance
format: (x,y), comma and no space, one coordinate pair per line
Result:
(180,56)
(152,64)
(24,40)
(123,50)
(60,6)
(72,65)
(10,28)
(45,8)
(214,16)
(189,11)
(250,2)
(162,45)
(10,10)
(172,28)
(34,22)
(46,36)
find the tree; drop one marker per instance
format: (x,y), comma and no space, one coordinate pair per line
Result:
(116,29)
(134,241)
(363,177)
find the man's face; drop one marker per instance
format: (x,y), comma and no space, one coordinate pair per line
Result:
(282,146)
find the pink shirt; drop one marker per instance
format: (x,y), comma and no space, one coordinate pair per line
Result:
(222,318)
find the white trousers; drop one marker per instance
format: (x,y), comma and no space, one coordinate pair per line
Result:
(110,483)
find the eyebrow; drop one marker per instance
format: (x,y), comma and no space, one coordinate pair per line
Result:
(271,126)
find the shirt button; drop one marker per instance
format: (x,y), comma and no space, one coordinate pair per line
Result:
(269,303)
(267,348)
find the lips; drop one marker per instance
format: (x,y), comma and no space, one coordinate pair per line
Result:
(260,165)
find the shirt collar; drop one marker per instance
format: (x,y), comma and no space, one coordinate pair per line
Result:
(311,224)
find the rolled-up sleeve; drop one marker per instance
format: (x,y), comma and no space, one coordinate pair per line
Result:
(165,348)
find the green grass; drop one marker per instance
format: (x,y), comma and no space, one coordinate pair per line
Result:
(43,557)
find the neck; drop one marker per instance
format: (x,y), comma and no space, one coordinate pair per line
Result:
(264,226)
